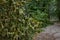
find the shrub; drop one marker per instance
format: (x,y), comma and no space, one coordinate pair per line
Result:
(18,23)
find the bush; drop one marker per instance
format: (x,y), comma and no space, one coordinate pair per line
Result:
(18,22)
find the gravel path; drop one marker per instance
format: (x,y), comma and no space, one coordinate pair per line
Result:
(51,32)
(54,30)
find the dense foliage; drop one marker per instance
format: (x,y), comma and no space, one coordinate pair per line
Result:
(21,19)
(58,8)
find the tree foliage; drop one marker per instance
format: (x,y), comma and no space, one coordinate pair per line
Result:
(58,8)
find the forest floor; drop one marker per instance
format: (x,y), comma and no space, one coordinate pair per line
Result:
(51,32)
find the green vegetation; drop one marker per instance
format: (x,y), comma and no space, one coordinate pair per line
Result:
(21,19)
(58,8)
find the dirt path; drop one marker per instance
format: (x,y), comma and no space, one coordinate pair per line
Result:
(53,28)
(51,32)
